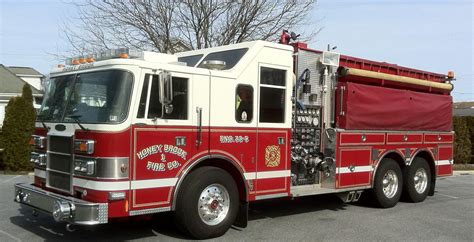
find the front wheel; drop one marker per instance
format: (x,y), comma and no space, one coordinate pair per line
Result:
(207,203)
(417,180)
(387,184)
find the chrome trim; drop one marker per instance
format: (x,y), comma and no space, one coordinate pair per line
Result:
(381,158)
(60,172)
(58,153)
(85,213)
(186,171)
(309,190)
(214,204)
(148,211)
(107,167)
(408,163)
(390,184)
(269,196)
(48,162)
(341,101)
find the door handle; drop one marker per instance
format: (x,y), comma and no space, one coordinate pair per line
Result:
(199,124)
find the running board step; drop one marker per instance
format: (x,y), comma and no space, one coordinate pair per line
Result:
(352,196)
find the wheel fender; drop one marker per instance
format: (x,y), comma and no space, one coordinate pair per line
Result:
(432,160)
(200,160)
(398,155)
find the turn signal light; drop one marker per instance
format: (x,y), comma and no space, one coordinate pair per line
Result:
(84,146)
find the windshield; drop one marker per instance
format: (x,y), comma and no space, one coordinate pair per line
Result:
(94,97)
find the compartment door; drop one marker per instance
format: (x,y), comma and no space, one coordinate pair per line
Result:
(353,167)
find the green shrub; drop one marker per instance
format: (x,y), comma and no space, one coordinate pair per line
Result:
(470,125)
(18,127)
(1,147)
(462,141)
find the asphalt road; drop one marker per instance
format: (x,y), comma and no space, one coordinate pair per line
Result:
(447,216)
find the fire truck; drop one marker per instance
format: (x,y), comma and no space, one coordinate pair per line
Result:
(203,133)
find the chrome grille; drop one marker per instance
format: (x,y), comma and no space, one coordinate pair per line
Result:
(59,165)
(61,144)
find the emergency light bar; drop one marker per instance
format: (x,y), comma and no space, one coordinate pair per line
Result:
(104,55)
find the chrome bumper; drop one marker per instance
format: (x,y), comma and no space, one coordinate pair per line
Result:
(62,208)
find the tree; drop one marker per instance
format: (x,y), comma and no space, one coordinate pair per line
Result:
(462,142)
(169,26)
(18,126)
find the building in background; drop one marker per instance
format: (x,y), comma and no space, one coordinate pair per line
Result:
(29,75)
(12,80)
(463,109)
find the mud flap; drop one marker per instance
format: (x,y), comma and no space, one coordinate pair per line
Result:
(432,187)
(243,215)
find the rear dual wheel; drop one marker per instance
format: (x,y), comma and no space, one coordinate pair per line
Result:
(417,180)
(387,184)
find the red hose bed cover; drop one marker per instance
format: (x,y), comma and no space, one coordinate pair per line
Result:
(379,108)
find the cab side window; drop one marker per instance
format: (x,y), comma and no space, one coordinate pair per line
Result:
(178,109)
(244,104)
(272,95)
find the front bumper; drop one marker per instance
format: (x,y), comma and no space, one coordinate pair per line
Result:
(62,208)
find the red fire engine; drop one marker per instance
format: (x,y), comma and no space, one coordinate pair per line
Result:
(203,133)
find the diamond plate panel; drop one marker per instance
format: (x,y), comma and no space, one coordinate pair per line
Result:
(310,60)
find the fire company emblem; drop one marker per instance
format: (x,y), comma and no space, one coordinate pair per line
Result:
(272,156)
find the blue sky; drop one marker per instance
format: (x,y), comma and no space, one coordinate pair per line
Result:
(431,35)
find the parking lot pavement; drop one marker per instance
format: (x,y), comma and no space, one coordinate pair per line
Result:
(447,216)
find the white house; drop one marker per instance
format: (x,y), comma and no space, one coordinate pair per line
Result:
(29,75)
(12,80)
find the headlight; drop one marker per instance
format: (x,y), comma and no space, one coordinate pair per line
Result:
(84,166)
(38,158)
(84,146)
(38,141)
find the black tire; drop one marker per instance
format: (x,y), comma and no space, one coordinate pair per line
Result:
(187,214)
(417,180)
(390,171)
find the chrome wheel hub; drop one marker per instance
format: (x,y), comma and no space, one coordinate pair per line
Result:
(420,180)
(213,204)
(390,184)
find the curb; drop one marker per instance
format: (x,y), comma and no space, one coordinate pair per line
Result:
(463,173)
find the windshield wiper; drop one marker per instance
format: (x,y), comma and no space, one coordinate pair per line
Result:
(76,118)
(39,117)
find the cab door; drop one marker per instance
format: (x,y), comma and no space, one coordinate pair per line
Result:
(273,160)
(164,139)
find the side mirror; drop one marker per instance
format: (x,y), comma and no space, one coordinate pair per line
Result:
(166,88)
